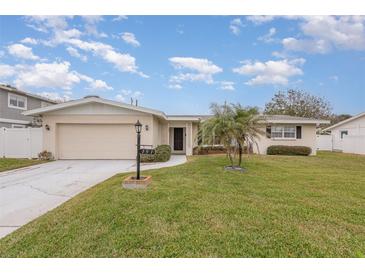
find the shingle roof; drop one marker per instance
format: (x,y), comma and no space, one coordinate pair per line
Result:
(292,119)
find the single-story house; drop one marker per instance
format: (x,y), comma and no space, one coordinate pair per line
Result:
(96,128)
(349,135)
(288,131)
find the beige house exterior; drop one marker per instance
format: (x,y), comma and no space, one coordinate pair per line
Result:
(288,131)
(96,128)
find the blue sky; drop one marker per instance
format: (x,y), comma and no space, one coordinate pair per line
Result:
(180,64)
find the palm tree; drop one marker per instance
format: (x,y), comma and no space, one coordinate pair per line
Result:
(247,128)
(234,126)
(219,127)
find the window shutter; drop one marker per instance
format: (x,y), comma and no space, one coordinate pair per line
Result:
(268,132)
(299,132)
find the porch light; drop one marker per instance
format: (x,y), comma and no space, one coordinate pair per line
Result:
(138,127)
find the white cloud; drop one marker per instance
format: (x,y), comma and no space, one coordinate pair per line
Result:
(130,38)
(91,22)
(235,26)
(50,75)
(268,37)
(45,23)
(127,93)
(29,40)
(99,84)
(94,84)
(174,86)
(6,71)
(120,18)
(21,51)
(260,19)
(123,62)
(324,33)
(199,70)
(55,96)
(334,78)
(227,85)
(75,53)
(203,66)
(71,37)
(310,46)
(270,72)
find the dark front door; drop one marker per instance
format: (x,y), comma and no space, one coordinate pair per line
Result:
(178,138)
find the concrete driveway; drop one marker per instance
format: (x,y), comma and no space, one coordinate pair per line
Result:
(29,192)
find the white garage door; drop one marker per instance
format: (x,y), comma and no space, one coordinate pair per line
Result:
(96,141)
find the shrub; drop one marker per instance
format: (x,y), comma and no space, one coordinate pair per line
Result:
(289,150)
(45,155)
(204,150)
(162,154)
(217,149)
(147,158)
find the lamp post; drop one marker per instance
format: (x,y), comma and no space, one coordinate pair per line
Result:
(138,127)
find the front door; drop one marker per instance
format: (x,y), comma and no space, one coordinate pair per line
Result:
(178,138)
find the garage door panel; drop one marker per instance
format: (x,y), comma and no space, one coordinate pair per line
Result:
(96,141)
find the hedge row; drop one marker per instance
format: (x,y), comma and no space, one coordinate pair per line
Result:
(209,150)
(289,150)
(162,154)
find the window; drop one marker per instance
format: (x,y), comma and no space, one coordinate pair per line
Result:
(344,132)
(283,132)
(17,101)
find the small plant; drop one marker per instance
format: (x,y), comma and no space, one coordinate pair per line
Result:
(289,150)
(45,155)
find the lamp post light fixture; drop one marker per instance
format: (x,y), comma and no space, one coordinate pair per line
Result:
(138,127)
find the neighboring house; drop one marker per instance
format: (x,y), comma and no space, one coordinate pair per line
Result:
(289,131)
(13,102)
(349,135)
(96,128)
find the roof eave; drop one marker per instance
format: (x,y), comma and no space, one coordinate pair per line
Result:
(43,110)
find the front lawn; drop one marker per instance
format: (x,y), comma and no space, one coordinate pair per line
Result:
(10,163)
(281,207)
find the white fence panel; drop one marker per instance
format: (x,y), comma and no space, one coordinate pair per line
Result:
(20,142)
(353,144)
(324,142)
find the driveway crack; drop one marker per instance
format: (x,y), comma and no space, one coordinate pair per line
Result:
(47,193)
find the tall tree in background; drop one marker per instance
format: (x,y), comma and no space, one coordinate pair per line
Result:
(299,103)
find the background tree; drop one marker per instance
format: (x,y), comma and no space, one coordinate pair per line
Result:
(299,103)
(338,118)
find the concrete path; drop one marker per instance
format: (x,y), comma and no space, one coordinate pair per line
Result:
(28,193)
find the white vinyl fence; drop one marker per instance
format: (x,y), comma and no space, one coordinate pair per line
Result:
(349,143)
(20,142)
(324,142)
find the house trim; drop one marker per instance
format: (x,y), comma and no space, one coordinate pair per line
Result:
(345,121)
(12,121)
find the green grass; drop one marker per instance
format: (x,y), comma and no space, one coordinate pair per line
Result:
(283,206)
(10,163)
